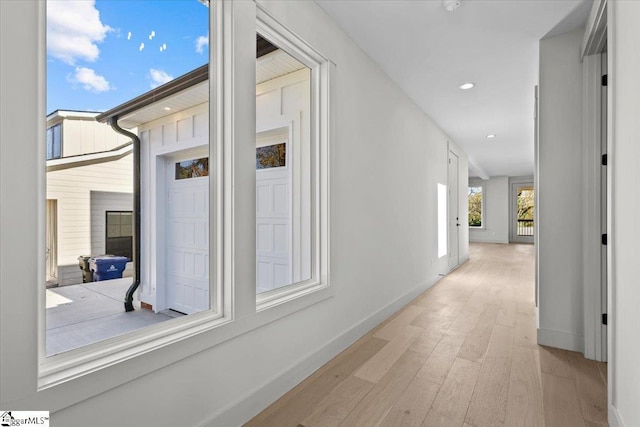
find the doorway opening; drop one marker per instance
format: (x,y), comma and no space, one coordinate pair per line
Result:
(522,228)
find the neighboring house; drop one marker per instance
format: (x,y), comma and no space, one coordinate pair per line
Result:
(89,188)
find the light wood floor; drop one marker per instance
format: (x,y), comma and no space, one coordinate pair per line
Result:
(463,353)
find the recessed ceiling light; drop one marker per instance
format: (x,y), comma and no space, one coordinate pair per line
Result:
(491,136)
(451,5)
(466,86)
(167,108)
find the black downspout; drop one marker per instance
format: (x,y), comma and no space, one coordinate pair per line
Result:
(128,299)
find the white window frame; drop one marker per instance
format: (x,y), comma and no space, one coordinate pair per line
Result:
(61,368)
(277,34)
(68,378)
(482,204)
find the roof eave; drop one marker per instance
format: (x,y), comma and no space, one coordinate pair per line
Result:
(179,84)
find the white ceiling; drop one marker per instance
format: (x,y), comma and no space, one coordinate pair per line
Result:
(429,52)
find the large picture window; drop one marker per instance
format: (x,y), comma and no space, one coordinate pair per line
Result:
(137,85)
(165,179)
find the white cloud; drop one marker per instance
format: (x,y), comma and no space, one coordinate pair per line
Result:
(159,77)
(201,42)
(129,35)
(90,80)
(141,47)
(73,30)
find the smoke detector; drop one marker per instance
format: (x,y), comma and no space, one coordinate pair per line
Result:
(451,5)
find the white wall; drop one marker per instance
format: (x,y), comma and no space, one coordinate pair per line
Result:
(624,152)
(495,207)
(559,175)
(82,136)
(386,160)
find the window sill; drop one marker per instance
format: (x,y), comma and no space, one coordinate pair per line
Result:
(72,377)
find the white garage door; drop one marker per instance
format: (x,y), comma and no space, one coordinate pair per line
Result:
(273,219)
(188,235)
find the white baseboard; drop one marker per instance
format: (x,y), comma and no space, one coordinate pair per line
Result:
(614,417)
(487,240)
(559,339)
(245,408)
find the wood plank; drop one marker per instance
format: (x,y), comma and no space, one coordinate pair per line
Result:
(524,399)
(437,366)
(526,334)
(561,406)
(507,388)
(489,401)
(602,367)
(592,392)
(426,342)
(476,343)
(377,367)
(501,343)
(413,405)
(377,404)
(439,316)
(507,313)
(334,408)
(469,315)
(294,406)
(554,361)
(394,327)
(452,401)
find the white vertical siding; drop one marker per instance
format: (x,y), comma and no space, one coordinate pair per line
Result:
(185,130)
(88,136)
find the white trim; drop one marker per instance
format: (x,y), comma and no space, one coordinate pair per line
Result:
(595,36)
(611,228)
(249,405)
(91,157)
(68,378)
(615,420)
(561,339)
(475,183)
(513,237)
(67,366)
(70,114)
(320,139)
(592,256)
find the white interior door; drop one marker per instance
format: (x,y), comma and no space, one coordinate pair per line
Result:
(454,218)
(187,238)
(273,222)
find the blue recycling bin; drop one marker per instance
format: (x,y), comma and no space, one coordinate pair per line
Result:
(107,267)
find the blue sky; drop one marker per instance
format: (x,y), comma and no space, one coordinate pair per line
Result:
(102,53)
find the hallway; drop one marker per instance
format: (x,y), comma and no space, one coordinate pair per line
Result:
(463,353)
